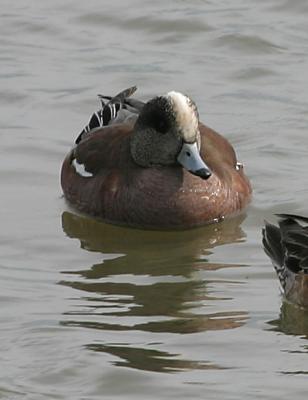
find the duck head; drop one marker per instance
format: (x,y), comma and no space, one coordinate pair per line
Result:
(166,133)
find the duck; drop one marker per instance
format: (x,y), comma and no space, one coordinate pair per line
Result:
(153,165)
(287,247)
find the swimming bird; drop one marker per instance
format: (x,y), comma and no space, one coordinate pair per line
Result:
(153,165)
(287,246)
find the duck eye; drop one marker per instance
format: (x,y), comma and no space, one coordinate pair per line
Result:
(162,125)
(158,122)
(188,153)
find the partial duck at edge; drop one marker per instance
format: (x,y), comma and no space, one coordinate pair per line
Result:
(287,246)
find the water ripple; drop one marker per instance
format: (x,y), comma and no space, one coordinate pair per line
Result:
(248,44)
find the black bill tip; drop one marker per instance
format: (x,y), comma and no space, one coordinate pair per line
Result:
(203,173)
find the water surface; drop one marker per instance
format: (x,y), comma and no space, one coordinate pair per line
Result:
(91,311)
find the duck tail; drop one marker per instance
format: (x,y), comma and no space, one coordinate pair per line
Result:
(118,98)
(287,246)
(110,107)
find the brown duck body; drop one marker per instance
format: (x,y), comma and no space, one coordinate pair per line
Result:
(158,197)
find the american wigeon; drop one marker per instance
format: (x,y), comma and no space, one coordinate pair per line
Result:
(153,165)
(287,246)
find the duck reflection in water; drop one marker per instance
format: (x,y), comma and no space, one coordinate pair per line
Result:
(153,285)
(292,320)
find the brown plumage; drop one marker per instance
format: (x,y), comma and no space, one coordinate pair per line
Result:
(159,196)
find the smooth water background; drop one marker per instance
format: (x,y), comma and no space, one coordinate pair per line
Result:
(91,311)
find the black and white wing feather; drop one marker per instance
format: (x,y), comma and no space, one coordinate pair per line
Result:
(117,109)
(287,246)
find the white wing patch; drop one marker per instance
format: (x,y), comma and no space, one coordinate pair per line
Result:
(80,169)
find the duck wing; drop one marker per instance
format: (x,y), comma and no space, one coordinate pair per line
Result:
(117,109)
(294,235)
(287,246)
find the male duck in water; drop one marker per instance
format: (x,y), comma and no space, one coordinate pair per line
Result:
(153,165)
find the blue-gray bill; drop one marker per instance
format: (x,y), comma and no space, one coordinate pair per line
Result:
(189,157)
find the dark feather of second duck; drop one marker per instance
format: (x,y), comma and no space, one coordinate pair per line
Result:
(287,247)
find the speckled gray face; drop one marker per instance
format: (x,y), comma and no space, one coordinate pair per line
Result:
(155,140)
(167,132)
